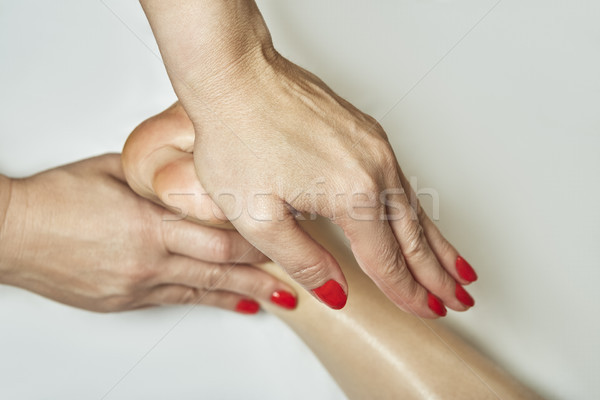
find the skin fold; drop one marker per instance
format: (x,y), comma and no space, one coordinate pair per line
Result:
(371,348)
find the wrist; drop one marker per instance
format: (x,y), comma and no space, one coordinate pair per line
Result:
(210,47)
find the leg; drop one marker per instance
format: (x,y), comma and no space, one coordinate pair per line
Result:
(375,350)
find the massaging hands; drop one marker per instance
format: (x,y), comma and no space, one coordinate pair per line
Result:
(79,235)
(159,165)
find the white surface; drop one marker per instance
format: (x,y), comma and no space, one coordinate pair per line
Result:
(504,125)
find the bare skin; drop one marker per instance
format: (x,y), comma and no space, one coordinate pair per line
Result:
(79,235)
(371,348)
(268,131)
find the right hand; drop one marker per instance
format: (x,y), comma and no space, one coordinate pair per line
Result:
(159,164)
(273,140)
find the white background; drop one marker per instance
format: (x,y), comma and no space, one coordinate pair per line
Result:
(495,106)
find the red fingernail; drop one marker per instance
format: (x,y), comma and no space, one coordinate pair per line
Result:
(436,305)
(284,299)
(465,270)
(463,296)
(247,306)
(332,294)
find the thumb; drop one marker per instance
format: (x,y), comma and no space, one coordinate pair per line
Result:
(306,261)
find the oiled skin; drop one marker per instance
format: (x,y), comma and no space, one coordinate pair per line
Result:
(371,348)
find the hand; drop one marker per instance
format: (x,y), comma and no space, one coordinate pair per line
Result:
(285,143)
(273,141)
(159,165)
(77,234)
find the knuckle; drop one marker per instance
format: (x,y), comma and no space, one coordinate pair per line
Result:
(382,159)
(376,142)
(384,156)
(190,295)
(308,275)
(445,247)
(414,239)
(392,270)
(136,274)
(213,277)
(257,287)
(390,265)
(398,277)
(364,188)
(368,187)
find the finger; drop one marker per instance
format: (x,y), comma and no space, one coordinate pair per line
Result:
(419,257)
(181,294)
(208,244)
(243,279)
(446,254)
(378,254)
(280,237)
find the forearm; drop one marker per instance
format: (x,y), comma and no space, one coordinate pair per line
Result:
(374,350)
(207,45)
(5,196)
(5,189)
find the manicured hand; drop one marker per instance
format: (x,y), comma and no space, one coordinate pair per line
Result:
(398,246)
(273,141)
(79,235)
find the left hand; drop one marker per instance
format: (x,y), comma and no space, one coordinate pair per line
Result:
(79,235)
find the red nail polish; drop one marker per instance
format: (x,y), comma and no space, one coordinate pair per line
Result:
(463,296)
(436,305)
(247,306)
(332,294)
(465,270)
(284,299)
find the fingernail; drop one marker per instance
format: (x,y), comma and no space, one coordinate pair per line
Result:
(284,299)
(436,305)
(332,294)
(465,270)
(463,296)
(247,306)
